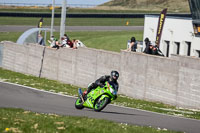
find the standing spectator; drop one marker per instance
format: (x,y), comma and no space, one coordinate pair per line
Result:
(41,40)
(132,46)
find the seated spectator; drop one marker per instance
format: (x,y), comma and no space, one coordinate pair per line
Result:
(157,51)
(66,37)
(132,45)
(64,42)
(77,43)
(54,42)
(70,43)
(152,49)
(148,48)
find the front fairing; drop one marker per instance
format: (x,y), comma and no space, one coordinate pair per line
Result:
(92,96)
(106,91)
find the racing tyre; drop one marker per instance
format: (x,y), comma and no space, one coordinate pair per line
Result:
(79,104)
(101,104)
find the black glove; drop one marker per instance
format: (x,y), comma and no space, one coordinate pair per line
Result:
(101,85)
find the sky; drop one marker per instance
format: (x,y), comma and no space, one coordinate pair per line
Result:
(79,2)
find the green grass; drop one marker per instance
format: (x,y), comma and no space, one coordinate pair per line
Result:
(73,21)
(40,83)
(58,87)
(107,40)
(9,36)
(18,120)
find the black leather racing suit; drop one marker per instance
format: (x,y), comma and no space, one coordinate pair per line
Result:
(101,82)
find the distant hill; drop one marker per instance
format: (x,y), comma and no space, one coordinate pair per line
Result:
(150,5)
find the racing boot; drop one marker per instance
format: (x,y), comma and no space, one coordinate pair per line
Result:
(90,87)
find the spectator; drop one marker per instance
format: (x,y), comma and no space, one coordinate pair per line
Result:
(77,43)
(66,37)
(152,49)
(41,40)
(132,46)
(64,42)
(157,51)
(54,42)
(148,48)
(70,43)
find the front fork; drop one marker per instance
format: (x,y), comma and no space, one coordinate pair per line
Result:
(81,94)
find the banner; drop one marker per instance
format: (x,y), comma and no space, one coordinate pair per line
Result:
(160,26)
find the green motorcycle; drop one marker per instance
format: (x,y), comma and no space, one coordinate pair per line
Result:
(98,98)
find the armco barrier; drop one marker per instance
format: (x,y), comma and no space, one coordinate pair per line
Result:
(85,15)
(174,80)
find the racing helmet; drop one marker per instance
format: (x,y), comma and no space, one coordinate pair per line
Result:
(114,75)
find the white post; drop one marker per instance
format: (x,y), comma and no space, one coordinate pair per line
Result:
(52,17)
(63,17)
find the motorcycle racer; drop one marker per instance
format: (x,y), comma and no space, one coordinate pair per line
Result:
(101,82)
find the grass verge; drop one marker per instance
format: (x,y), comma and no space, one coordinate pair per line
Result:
(58,87)
(73,21)
(18,120)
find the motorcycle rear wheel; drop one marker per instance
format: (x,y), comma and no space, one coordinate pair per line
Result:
(79,104)
(101,104)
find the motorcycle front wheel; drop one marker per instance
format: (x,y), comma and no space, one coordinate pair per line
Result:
(79,104)
(101,104)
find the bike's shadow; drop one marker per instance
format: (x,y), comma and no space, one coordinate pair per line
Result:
(118,113)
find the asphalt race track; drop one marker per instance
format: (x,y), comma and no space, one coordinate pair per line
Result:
(9,28)
(16,96)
